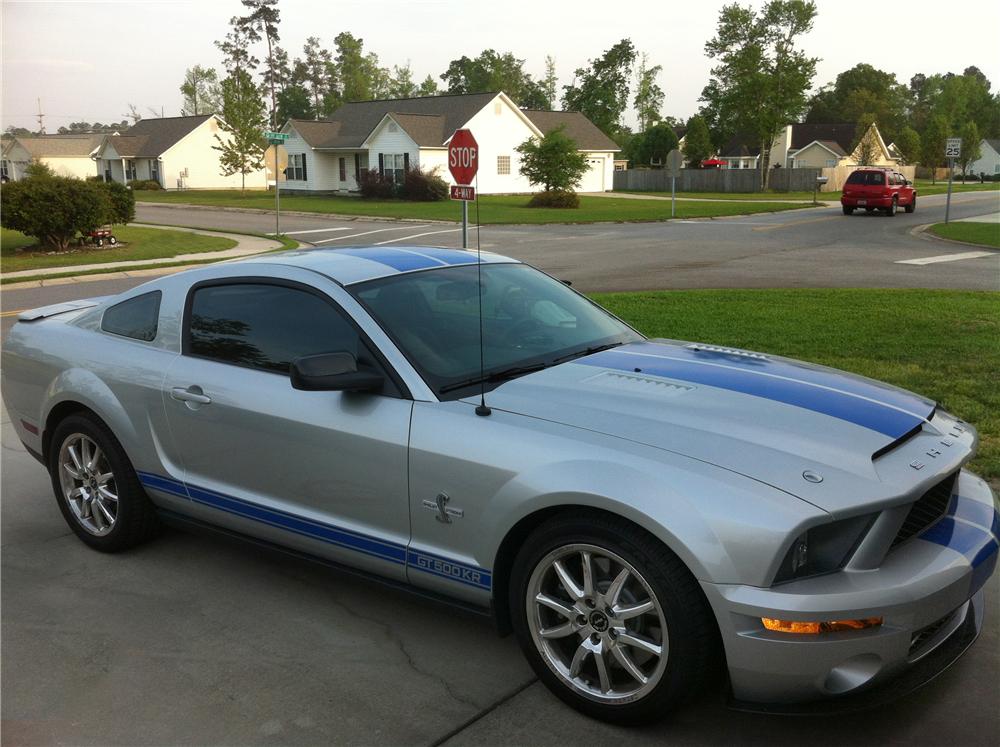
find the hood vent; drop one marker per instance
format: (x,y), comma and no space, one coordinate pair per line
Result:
(927,510)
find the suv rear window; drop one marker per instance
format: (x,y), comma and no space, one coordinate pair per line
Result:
(867,177)
(136,318)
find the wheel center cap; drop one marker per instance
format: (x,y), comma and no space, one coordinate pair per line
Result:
(598,621)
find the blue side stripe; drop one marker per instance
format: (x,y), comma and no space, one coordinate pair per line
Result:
(959,536)
(425,562)
(837,404)
(976,513)
(970,527)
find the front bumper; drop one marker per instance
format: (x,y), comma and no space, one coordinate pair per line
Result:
(866,202)
(929,590)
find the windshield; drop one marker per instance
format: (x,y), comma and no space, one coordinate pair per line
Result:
(529,321)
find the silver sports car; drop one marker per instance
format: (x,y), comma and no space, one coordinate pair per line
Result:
(639,512)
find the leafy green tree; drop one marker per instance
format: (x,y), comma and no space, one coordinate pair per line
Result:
(38,170)
(648,94)
(553,163)
(654,145)
(866,148)
(401,84)
(601,91)
(294,103)
(697,142)
(760,81)
(492,71)
(428,87)
(932,144)
(361,78)
(862,90)
(317,73)
(971,151)
(200,90)
(54,209)
(908,145)
(243,121)
(235,48)
(261,22)
(550,82)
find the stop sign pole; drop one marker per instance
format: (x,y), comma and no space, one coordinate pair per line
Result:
(463,163)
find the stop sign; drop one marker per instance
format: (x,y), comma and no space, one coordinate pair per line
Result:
(463,156)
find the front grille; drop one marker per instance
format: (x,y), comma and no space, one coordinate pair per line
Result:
(928,508)
(922,636)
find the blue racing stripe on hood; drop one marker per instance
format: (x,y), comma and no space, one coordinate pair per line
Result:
(837,396)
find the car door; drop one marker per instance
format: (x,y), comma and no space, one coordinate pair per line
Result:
(324,472)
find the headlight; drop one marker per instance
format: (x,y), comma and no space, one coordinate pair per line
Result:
(824,548)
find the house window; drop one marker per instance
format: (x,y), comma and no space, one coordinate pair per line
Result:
(393,127)
(4,170)
(394,167)
(343,169)
(296,170)
(154,169)
(830,163)
(503,165)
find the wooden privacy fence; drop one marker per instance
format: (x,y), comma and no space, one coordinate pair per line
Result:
(736,180)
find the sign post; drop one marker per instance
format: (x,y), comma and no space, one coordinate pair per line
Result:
(675,159)
(276,139)
(952,151)
(463,163)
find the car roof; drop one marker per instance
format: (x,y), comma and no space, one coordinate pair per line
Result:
(357,264)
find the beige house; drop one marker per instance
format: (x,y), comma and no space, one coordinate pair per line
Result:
(809,145)
(177,152)
(66,155)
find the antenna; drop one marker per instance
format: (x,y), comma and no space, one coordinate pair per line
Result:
(41,119)
(481,408)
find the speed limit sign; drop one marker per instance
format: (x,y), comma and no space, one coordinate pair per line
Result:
(953,148)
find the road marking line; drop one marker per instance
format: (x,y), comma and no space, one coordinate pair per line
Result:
(315,230)
(14,313)
(946,258)
(796,223)
(418,235)
(366,233)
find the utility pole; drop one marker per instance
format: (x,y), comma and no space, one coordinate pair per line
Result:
(41,119)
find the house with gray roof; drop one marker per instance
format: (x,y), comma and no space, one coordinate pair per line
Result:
(66,155)
(989,158)
(177,152)
(808,145)
(393,135)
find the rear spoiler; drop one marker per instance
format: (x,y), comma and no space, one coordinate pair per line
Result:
(44,312)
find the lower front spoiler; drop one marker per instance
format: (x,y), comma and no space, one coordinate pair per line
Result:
(907,681)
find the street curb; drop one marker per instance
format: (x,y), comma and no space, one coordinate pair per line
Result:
(298,213)
(922,232)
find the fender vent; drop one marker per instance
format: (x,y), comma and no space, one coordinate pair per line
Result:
(927,509)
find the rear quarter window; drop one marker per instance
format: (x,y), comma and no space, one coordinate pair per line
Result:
(136,318)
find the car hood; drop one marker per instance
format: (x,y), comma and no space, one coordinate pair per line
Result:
(766,417)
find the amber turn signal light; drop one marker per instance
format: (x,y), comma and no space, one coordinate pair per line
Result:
(813,628)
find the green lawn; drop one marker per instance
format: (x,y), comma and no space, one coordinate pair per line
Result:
(493,208)
(925,187)
(777,196)
(941,344)
(987,234)
(19,252)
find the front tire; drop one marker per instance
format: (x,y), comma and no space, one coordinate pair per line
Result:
(912,206)
(610,619)
(96,487)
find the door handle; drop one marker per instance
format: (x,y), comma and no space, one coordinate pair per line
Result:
(191,394)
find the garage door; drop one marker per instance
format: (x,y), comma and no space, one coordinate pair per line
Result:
(593,179)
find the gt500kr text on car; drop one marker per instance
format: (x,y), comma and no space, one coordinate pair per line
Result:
(632,509)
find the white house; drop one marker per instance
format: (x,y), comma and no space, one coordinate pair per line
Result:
(989,158)
(393,135)
(807,145)
(177,152)
(66,155)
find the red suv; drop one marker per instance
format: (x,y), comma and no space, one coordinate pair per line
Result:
(873,189)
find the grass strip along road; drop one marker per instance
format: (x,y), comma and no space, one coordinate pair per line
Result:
(941,344)
(493,209)
(924,189)
(18,252)
(986,234)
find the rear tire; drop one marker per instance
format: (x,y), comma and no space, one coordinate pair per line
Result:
(590,646)
(848,210)
(912,206)
(96,487)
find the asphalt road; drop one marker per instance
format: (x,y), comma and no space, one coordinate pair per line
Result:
(196,640)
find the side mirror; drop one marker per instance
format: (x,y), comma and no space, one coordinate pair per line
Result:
(334,372)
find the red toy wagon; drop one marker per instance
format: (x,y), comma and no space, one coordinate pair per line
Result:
(100,236)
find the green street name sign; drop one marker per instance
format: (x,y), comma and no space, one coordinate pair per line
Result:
(279,136)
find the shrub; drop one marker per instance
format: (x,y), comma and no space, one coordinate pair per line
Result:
(121,202)
(374,186)
(555,198)
(553,163)
(95,179)
(423,186)
(38,170)
(54,209)
(150,184)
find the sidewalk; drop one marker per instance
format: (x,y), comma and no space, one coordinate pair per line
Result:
(245,247)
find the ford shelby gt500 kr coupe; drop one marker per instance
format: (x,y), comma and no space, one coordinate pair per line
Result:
(634,510)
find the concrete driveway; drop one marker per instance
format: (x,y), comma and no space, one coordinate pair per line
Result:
(198,640)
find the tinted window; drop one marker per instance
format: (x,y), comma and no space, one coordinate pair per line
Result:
(136,318)
(527,319)
(265,326)
(872,178)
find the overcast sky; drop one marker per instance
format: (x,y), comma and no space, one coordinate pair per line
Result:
(89,60)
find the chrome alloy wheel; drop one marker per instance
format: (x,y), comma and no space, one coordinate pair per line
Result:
(88,484)
(597,623)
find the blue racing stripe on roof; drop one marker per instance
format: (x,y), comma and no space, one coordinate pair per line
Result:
(449,256)
(836,403)
(399,260)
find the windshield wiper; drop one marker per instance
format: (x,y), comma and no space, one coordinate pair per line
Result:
(503,375)
(588,351)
